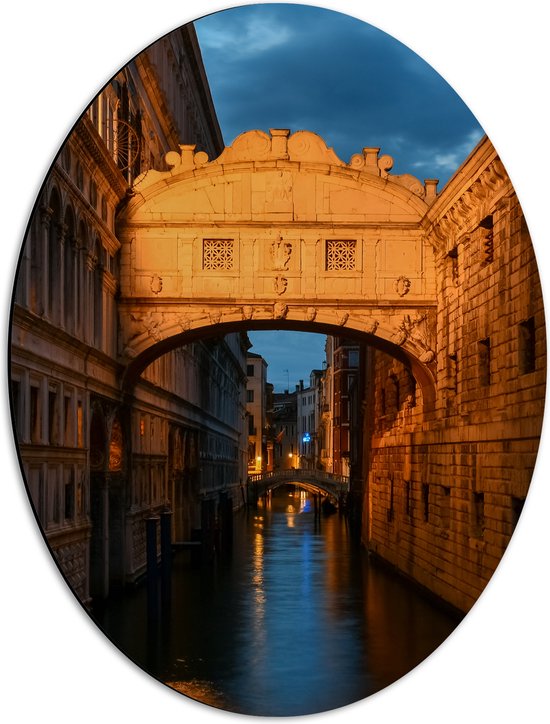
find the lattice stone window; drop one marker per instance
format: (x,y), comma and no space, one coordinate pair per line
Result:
(217,254)
(340,254)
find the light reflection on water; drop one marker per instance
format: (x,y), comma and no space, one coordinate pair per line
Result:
(297,622)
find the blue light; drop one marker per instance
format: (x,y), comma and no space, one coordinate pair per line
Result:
(306,437)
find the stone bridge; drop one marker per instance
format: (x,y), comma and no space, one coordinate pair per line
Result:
(332,485)
(277,232)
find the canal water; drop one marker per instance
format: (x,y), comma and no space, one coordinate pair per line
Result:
(297,620)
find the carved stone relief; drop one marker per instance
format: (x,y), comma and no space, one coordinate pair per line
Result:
(280,310)
(280,254)
(402,285)
(156,284)
(280,284)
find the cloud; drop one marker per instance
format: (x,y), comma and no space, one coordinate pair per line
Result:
(243,36)
(307,68)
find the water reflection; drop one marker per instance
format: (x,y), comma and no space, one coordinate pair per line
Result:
(297,622)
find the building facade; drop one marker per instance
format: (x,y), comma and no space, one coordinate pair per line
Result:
(97,462)
(256,409)
(447,476)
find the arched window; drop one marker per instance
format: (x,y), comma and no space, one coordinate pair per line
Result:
(69,264)
(54,258)
(80,278)
(97,321)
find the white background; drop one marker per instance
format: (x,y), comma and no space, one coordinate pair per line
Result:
(56,665)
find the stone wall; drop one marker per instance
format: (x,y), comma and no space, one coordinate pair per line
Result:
(446,486)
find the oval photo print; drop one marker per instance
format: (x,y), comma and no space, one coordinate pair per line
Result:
(277,360)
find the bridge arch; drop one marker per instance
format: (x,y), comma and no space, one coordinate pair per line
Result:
(277,233)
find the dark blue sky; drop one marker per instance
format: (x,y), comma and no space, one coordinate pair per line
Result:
(302,67)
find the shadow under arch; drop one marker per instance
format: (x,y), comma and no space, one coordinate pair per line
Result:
(422,372)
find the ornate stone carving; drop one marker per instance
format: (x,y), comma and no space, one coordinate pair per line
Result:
(371,327)
(402,285)
(215,317)
(184,322)
(217,254)
(280,310)
(311,313)
(156,284)
(247,311)
(416,330)
(340,254)
(280,284)
(280,254)
(343,318)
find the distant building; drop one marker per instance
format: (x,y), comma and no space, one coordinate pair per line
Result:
(256,409)
(285,448)
(307,420)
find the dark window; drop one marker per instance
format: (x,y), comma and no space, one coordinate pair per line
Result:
(250,395)
(517,507)
(478,505)
(250,370)
(425,501)
(35,415)
(445,506)
(69,499)
(484,360)
(487,249)
(526,346)
(453,259)
(251,428)
(390,509)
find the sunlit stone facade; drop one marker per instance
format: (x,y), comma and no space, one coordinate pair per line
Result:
(447,478)
(97,462)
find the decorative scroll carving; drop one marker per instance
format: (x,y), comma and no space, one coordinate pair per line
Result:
(416,330)
(402,285)
(343,318)
(280,284)
(156,284)
(280,254)
(148,323)
(215,317)
(372,326)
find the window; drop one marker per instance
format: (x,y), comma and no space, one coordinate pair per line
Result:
(478,514)
(453,259)
(250,370)
(390,508)
(69,507)
(250,395)
(53,418)
(425,502)
(408,507)
(35,414)
(251,428)
(340,255)
(526,346)
(517,507)
(217,254)
(353,358)
(484,361)
(487,246)
(445,507)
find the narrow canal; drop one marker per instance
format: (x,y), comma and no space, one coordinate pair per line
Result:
(295,621)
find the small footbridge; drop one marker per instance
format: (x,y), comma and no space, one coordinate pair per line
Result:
(316,481)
